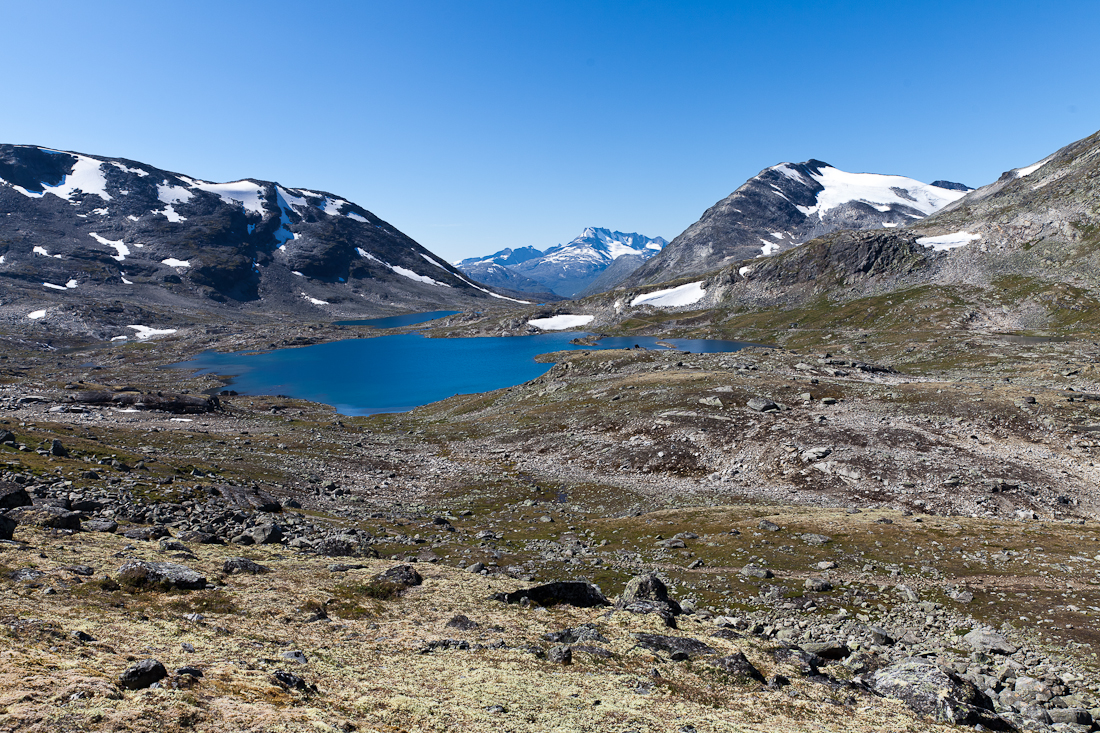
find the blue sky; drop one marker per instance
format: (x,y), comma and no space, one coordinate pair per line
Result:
(474,126)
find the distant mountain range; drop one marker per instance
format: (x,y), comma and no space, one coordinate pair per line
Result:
(567,270)
(788,204)
(82,228)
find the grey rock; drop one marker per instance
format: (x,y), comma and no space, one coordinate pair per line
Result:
(403,575)
(25,574)
(678,647)
(648,587)
(189,670)
(99,525)
(142,674)
(165,575)
(984,640)
(819,585)
(295,656)
(1072,716)
(13,495)
(288,680)
(477,567)
(561,654)
(82,637)
(806,662)
(146,534)
(242,565)
(739,667)
(759,404)
(568,592)
(933,691)
(7,527)
(829,650)
(881,637)
(816,539)
(768,526)
(752,571)
(200,538)
(344,546)
(266,534)
(57,449)
(462,623)
(46,517)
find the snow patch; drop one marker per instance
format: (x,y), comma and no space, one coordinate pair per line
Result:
(246,193)
(889,224)
(169,213)
(295,272)
(879,191)
(944,242)
(136,171)
(101,212)
(744,270)
(169,194)
(87,177)
(429,259)
(1021,172)
(315,301)
(673,297)
(35,315)
(561,323)
(128,282)
(42,251)
(173,262)
(413,276)
(768,248)
(121,249)
(357,217)
(144,332)
(56,287)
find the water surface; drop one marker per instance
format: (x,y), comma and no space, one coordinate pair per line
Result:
(398,373)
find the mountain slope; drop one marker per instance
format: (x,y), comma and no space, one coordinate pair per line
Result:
(567,269)
(84,228)
(786,205)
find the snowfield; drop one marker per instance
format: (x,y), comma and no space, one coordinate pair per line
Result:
(944,242)
(673,297)
(561,323)
(144,332)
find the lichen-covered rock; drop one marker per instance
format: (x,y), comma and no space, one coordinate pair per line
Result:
(13,495)
(165,575)
(678,647)
(239,565)
(46,517)
(984,640)
(404,575)
(933,691)
(738,666)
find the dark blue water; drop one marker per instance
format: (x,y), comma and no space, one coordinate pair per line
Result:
(398,373)
(409,319)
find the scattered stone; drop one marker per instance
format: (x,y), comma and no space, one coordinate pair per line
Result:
(678,648)
(403,575)
(13,495)
(833,651)
(806,662)
(57,449)
(752,571)
(200,538)
(881,637)
(99,525)
(816,539)
(288,680)
(477,567)
(560,654)
(768,526)
(462,623)
(239,565)
(46,517)
(582,633)
(166,575)
(759,404)
(82,636)
(142,674)
(265,534)
(984,640)
(147,534)
(25,574)
(295,656)
(570,592)
(738,666)
(7,527)
(193,671)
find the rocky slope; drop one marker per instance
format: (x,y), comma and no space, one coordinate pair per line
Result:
(788,204)
(569,269)
(79,229)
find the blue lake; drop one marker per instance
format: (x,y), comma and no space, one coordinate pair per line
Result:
(398,373)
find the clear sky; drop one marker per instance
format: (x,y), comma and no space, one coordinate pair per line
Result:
(474,126)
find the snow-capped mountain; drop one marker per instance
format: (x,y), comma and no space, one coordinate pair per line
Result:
(86,228)
(567,269)
(791,203)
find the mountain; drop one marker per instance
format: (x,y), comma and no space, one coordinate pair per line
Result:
(83,228)
(495,271)
(567,269)
(788,204)
(1022,253)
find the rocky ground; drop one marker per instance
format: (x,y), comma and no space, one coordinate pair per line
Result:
(855,533)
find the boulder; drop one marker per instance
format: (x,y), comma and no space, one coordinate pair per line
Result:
(46,517)
(13,495)
(933,691)
(7,527)
(678,648)
(984,640)
(569,592)
(819,585)
(145,534)
(647,587)
(99,525)
(142,674)
(265,534)
(759,404)
(200,538)
(737,666)
(810,538)
(752,571)
(404,575)
(164,575)
(344,546)
(242,565)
